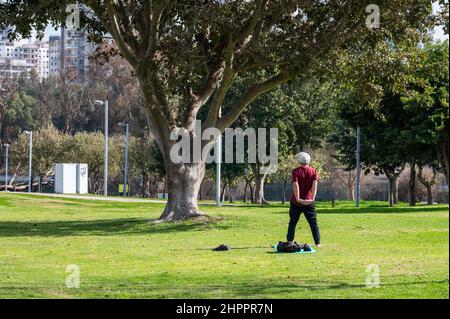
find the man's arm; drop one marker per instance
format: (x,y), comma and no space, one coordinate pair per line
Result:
(296,192)
(314,190)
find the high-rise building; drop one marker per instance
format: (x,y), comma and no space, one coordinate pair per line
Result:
(54,55)
(35,54)
(70,51)
(13,68)
(22,56)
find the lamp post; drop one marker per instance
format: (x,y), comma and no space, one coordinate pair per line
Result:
(6,145)
(218,164)
(358,165)
(127,128)
(105,182)
(30,158)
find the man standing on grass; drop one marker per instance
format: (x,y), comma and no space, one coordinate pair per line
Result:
(304,183)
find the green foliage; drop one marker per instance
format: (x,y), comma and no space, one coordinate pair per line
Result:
(18,114)
(48,149)
(410,120)
(145,157)
(426,102)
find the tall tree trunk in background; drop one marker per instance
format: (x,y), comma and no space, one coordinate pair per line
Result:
(351,185)
(351,192)
(442,152)
(260,180)
(412,184)
(391,190)
(259,189)
(395,190)
(252,193)
(230,196)
(200,195)
(284,192)
(245,191)
(143,185)
(222,193)
(392,176)
(428,184)
(429,195)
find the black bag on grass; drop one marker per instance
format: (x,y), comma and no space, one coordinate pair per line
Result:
(287,247)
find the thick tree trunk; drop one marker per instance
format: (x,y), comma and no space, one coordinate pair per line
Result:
(412,184)
(183,183)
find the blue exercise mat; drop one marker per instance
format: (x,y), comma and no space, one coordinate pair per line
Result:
(297,252)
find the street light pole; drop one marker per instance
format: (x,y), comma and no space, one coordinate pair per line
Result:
(6,145)
(358,164)
(30,159)
(127,129)
(105,174)
(105,182)
(218,164)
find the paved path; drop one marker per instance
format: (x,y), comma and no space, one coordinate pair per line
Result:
(113,198)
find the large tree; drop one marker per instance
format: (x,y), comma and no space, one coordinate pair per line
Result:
(186,53)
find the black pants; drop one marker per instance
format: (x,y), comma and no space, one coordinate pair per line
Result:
(311,216)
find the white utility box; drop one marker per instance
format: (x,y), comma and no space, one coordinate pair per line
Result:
(65,178)
(82,178)
(71,178)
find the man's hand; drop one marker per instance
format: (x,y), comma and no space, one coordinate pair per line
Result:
(305,202)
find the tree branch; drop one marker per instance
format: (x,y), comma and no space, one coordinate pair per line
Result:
(114,28)
(250,95)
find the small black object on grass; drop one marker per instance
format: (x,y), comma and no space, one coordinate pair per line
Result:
(222,248)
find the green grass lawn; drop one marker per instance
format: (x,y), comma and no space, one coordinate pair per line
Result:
(121,255)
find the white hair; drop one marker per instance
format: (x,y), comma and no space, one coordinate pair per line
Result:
(303,158)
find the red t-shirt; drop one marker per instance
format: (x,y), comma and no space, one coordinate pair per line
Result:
(305,176)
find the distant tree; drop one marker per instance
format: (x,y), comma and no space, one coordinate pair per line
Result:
(146,161)
(48,149)
(428,182)
(69,97)
(18,115)
(286,165)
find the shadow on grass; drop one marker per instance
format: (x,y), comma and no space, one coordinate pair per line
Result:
(284,288)
(103,227)
(271,288)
